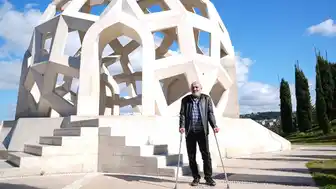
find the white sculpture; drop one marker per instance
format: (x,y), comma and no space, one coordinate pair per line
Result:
(81,137)
(165,75)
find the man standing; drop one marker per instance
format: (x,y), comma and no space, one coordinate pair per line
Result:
(195,113)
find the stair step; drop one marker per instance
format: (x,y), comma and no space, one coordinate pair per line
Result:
(160,149)
(60,140)
(54,164)
(77,131)
(145,150)
(171,171)
(184,169)
(51,150)
(18,172)
(168,160)
(128,163)
(5,164)
(117,145)
(112,141)
(17,158)
(39,149)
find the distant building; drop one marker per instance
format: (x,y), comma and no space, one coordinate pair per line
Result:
(269,123)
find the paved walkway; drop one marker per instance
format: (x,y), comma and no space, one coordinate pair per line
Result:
(262,171)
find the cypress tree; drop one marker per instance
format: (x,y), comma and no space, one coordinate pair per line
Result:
(294,120)
(333,73)
(286,107)
(327,84)
(303,101)
(314,116)
(321,110)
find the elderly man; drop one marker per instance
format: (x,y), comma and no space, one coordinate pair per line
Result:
(195,113)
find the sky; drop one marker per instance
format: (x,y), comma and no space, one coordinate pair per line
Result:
(269,37)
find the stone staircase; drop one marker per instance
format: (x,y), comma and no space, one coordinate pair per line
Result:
(70,150)
(153,160)
(83,149)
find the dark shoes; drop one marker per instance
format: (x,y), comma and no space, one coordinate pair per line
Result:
(195,182)
(208,181)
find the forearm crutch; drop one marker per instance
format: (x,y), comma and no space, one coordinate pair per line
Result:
(178,163)
(220,156)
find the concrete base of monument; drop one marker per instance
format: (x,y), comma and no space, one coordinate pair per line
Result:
(125,144)
(237,137)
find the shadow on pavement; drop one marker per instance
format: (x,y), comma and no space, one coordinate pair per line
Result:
(321,150)
(269,179)
(276,159)
(16,186)
(260,179)
(146,179)
(298,170)
(314,156)
(291,170)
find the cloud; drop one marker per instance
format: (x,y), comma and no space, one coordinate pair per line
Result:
(30,5)
(257,96)
(242,68)
(325,28)
(11,110)
(254,96)
(10,74)
(261,97)
(16,28)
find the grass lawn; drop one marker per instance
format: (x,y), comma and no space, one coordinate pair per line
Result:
(314,137)
(324,173)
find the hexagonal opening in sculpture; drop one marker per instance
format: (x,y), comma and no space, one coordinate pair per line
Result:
(121,62)
(63,89)
(216,92)
(73,43)
(174,88)
(153,6)
(94,7)
(197,7)
(202,41)
(166,42)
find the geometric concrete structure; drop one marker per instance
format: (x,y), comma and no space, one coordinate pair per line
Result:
(73,102)
(167,68)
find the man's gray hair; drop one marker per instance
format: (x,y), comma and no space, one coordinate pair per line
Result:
(196,83)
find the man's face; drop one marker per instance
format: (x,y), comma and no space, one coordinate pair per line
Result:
(196,89)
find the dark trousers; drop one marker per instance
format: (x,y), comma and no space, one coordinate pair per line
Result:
(203,143)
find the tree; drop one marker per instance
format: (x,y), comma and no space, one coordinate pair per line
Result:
(286,107)
(314,116)
(303,101)
(321,107)
(333,73)
(294,120)
(327,83)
